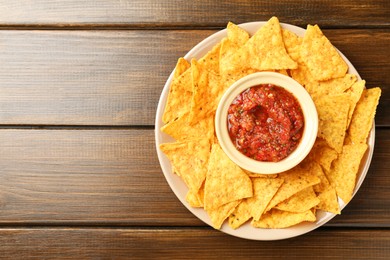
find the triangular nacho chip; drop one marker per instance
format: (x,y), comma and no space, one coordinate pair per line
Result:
(225,181)
(283,219)
(263,191)
(180,94)
(322,154)
(300,202)
(320,56)
(295,180)
(236,34)
(221,213)
(292,42)
(181,129)
(343,176)
(211,60)
(355,93)
(207,92)
(196,198)
(363,115)
(264,50)
(189,160)
(325,192)
(333,116)
(332,86)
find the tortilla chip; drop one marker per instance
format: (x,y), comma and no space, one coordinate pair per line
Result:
(195,198)
(292,43)
(300,202)
(328,201)
(325,192)
(303,76)
(322,154)
(211,60)
(320,56)
(236,34)
(189,160)
(264,50)
(237,37)
(332,117)
(263,191)
(179,97)
(228,49)
(181,66)
(240,215)
(343,175)
(259,175)
(181,129)
(207,92)
(332,86)
(363,115)
(295,180)
(355,92)
(221,213)
(283,219)
(225,181)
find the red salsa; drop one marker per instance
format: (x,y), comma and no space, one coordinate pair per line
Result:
(265,122)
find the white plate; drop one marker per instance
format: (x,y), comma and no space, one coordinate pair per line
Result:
(180,189)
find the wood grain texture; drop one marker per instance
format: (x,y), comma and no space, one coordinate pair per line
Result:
(189,244)
(146,13)
(112,177)
(116,77)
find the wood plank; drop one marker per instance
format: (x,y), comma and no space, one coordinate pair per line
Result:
(116,77)
(112,177)
(145,13)
(66,243)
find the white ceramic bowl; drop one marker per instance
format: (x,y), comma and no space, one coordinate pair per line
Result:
(309,113)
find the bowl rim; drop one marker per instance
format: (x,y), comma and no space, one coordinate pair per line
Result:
(309,113)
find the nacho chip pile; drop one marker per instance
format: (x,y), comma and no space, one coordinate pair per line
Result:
(346,111)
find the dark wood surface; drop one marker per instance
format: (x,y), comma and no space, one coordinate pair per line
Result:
(79,86)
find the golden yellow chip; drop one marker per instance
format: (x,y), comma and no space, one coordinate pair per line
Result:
(292,42)
(237,37)
(343,176)
(320,56)
(221,213)
(363,115)
(283,219)
(181,130)
(236,34)
(325,192)
(207,92)
(195,198)
(240,215)
(355,92)
(332,86)
(300,202)
(211,60)
(264,50)
(228,49)
(225,181)
(295,180)
(181,66)
(332,119)
(328,201)
(303,76)
(322,154)
(189,160)
(263,191)
(179,97)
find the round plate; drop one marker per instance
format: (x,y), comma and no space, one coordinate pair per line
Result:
(179,187)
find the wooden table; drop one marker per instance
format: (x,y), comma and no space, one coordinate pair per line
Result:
(79,86)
